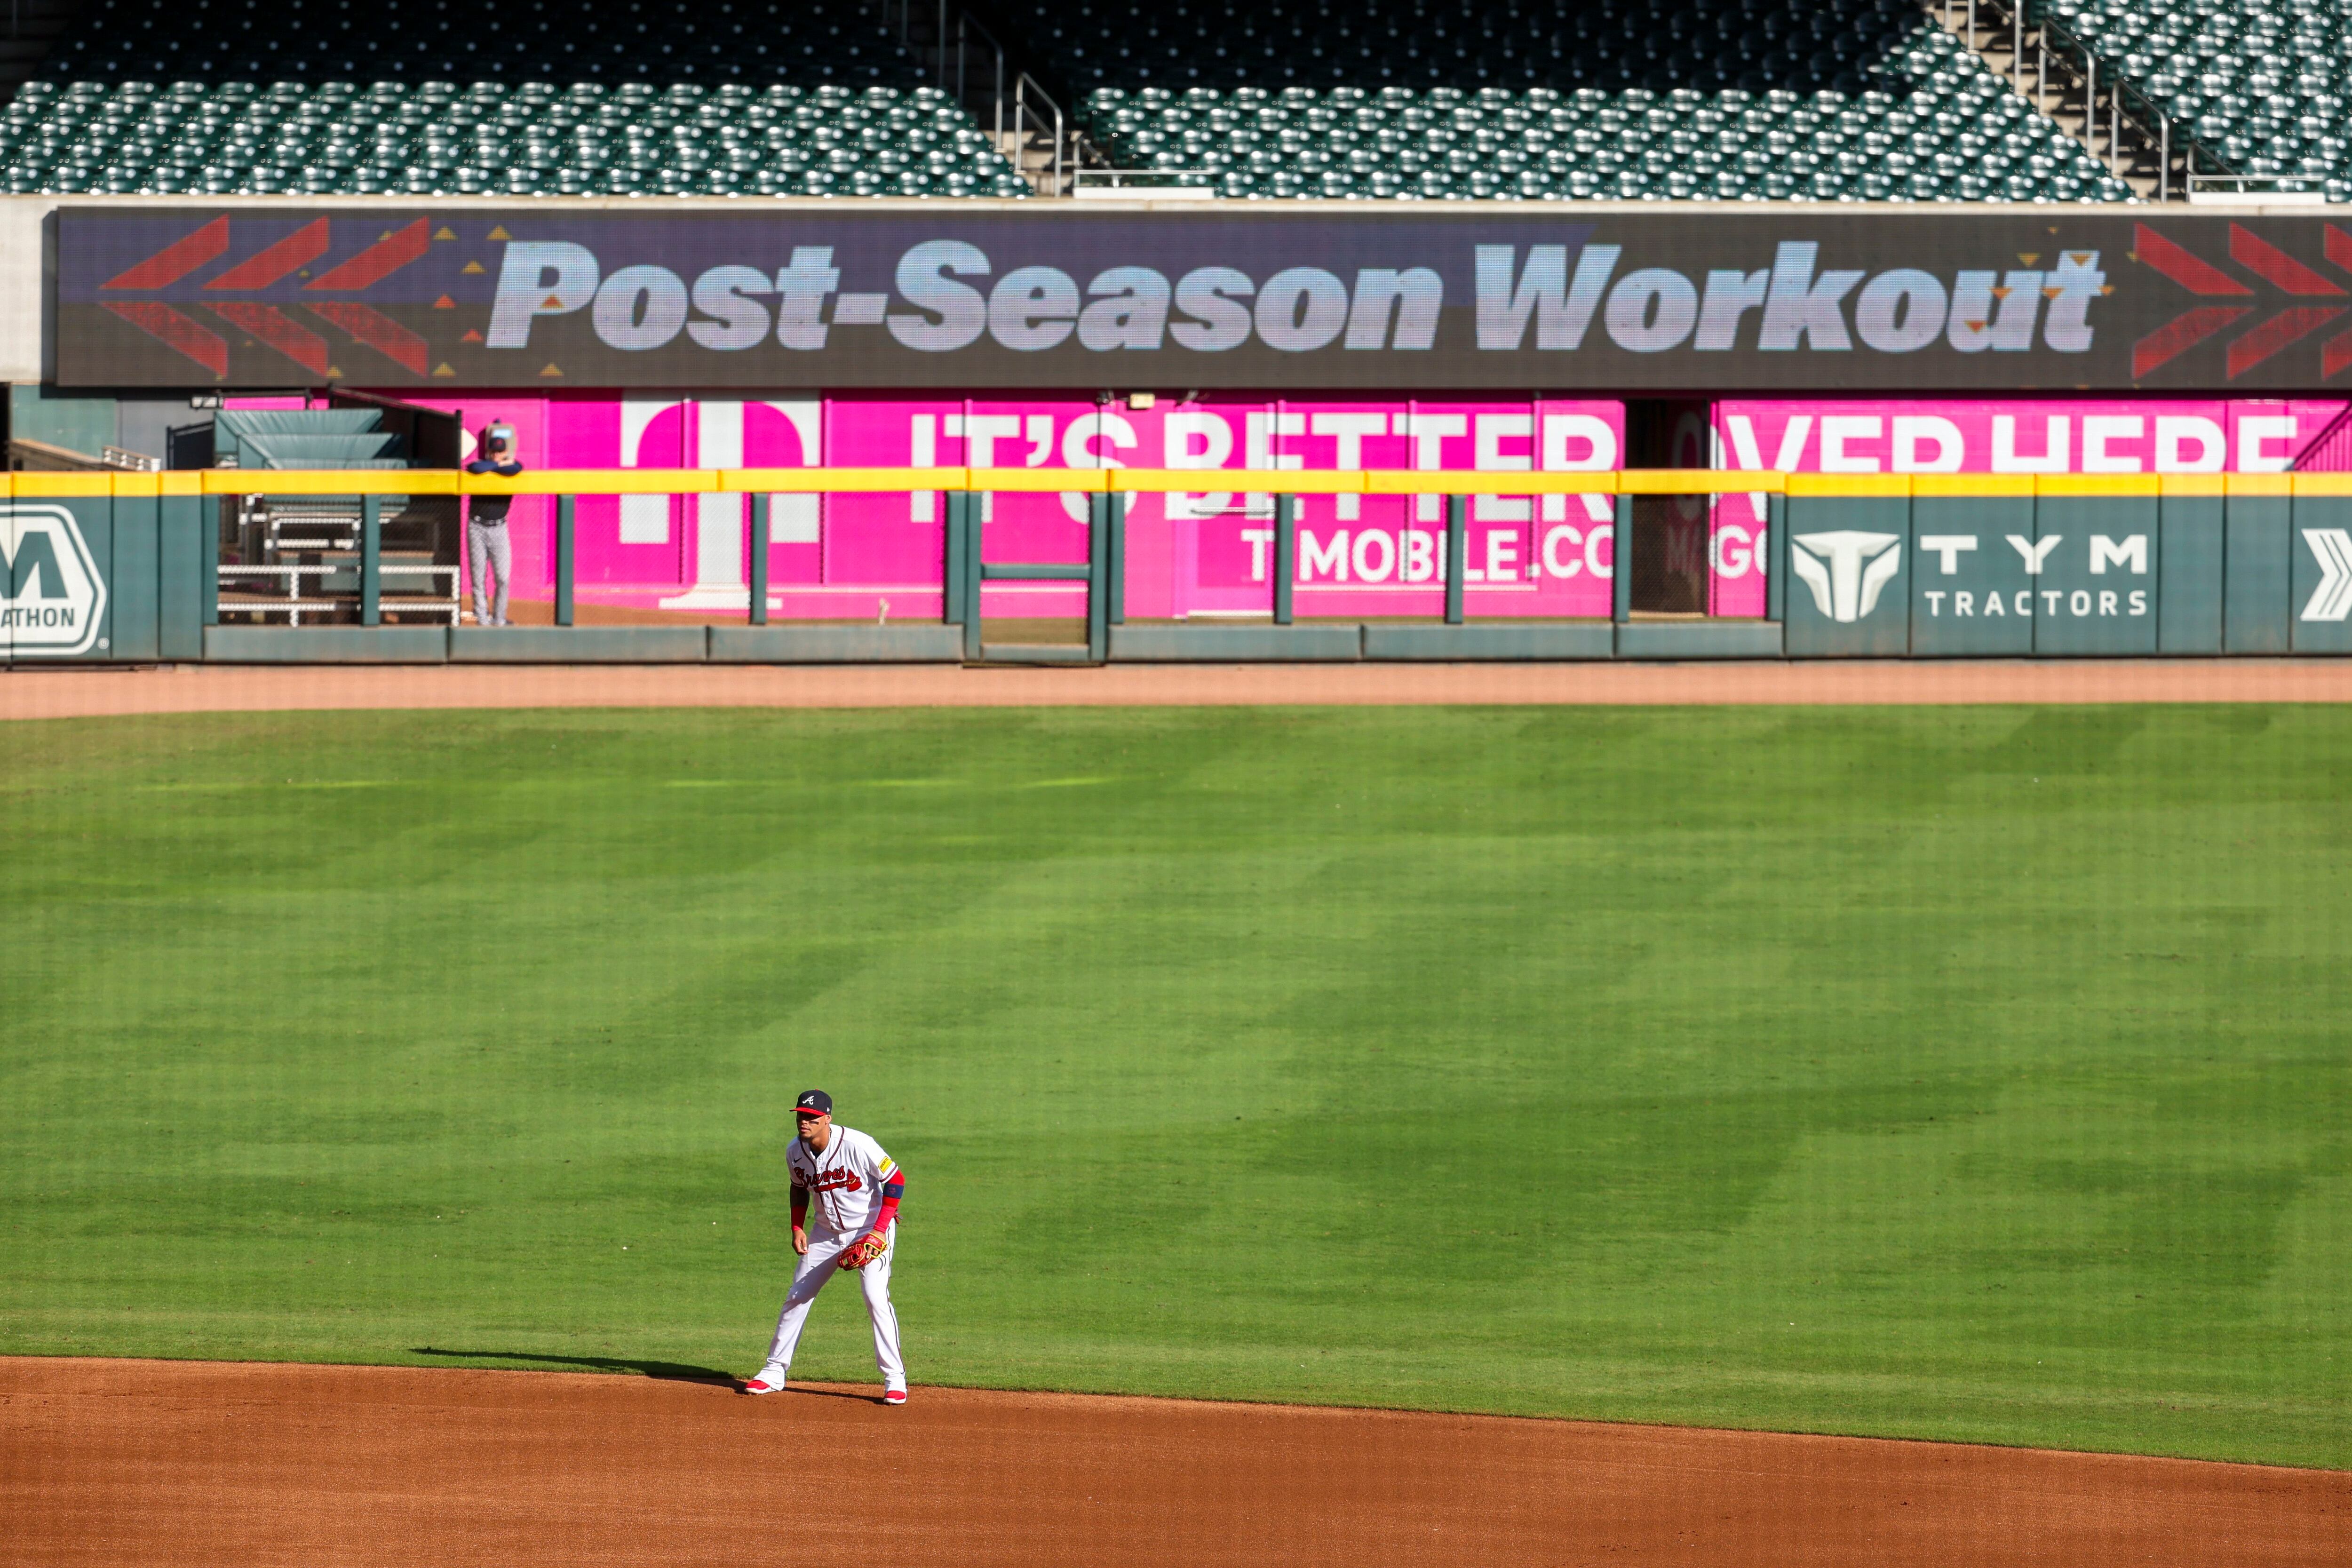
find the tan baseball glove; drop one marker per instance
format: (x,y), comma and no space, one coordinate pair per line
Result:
(868,1247)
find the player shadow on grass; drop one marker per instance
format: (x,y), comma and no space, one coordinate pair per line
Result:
(666,1371)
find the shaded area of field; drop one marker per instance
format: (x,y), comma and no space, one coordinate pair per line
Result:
(1970,1073)
(131,1464)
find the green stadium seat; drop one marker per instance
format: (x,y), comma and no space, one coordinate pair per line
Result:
(1624,99)
(392,114)
(2254,90)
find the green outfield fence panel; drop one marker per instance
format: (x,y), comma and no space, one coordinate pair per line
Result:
(327,645)
(1965,577)
(182,569)
(901,642)
(93,517)
(1697,639)
(1166,643)
(579,645)
(2320,549)
(2093,574)
(2188,574)
(1850,590)
(135,577)
(1493,639)
(2257,577)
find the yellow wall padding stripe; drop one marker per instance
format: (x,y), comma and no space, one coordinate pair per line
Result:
(1849,485)
(2192,484)
(2111,486)
(331,481)
(1244,482)
(1696,482)
(1398,482)
(844,481)
(1972,487)
(1043,481)
(1257,482)
(61,486)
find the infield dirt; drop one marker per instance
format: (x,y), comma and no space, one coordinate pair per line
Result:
(131,1463)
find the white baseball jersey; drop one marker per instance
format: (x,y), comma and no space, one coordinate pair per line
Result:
(844,1180)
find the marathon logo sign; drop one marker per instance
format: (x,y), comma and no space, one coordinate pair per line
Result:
(972,296)
(55,596)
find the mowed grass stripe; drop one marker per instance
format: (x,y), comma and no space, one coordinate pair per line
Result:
(1970,1073)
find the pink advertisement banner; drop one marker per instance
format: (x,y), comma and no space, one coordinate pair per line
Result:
(1205,554)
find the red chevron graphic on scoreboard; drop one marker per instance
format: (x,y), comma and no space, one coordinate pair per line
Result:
(378,262)
(2284,326)
(265,324)
(379,331)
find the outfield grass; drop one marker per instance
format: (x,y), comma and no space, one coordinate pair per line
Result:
(1962,1073)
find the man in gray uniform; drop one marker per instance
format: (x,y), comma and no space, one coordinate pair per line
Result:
(487,548)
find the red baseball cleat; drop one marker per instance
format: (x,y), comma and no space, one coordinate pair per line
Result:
(894,1396)
(760,1384)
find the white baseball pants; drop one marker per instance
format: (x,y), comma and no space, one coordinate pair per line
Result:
(817,1265)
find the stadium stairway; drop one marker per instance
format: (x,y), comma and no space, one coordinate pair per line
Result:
(2251,96)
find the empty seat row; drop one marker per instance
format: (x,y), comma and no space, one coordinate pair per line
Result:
(809,41)
(1922,118)
(438,138)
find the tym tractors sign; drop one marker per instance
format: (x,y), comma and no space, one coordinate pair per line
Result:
(838,295)
(55,595)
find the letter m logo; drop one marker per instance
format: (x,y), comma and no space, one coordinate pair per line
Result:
(35,566)
(55,598)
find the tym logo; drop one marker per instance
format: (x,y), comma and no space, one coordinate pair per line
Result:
(54,596)
(1845,589)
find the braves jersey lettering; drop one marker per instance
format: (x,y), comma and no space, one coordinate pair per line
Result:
(844,1179)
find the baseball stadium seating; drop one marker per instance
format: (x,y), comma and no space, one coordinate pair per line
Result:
(1843,100)
(237,96)
(2258,91)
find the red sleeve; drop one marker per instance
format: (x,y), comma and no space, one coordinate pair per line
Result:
(800,1207)
(892,1190)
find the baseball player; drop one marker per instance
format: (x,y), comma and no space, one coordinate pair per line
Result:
(854,1187)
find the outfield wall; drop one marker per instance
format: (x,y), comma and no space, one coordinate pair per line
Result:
(1207,553)
(113,568)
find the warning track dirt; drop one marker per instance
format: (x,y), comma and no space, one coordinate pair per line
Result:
(56,693)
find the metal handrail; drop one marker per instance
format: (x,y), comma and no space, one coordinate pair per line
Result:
(1142,178)
(1023,86)
(1011,115)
